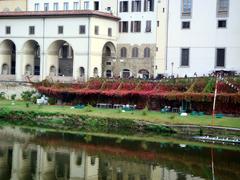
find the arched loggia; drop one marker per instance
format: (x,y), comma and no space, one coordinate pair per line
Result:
(31,58)
(60,57)
(7,57)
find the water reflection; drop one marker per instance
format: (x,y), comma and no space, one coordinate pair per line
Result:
(64,160)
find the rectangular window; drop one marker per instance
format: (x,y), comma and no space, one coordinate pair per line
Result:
(148,26)
(96,30)
(55,6)
(136,6)
(222,23)
(8,30)
(185,57)
(82,29)
(186,25)
(220,57)
(123,6)
(186,8)
(148,5)
(36,7)
(86,5)
(46,6)
(65,6)
(222,7)
(123,26)
(60,29)
(109,32)
(135,26)
(96,5)
(31,30)
(75,5)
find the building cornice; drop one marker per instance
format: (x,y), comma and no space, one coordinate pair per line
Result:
(57,14)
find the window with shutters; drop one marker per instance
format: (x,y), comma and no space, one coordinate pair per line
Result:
(136,6)
(222,7)
(220,59)
(110,32)
(31,30)
(123,6)
(148,5)
(146,52)
(82,29)
(8,30)
(96,30)
(123,52)
(186,8)
(135,26)
(185,57)
(148,26)
(123,26)
(135,52)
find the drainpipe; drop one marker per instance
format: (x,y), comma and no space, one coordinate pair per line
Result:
(89,41)
(167,24)
(43,49)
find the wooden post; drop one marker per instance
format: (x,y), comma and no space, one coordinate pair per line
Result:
(214,101)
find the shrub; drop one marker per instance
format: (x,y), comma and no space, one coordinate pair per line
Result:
(88,108)
(27,95)
(13,96)
(2,95)
(145,111)
(52,100)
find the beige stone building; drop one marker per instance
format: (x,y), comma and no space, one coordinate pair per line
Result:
(13,5)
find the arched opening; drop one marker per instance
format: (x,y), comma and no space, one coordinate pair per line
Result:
(5,69)
(143,74)
(60,56)
(123,52)
(31,58)
(7,57)
(108,74)
(82,72)
(53,71)
(95,72)
(126,73)
(108,58)
(28,70)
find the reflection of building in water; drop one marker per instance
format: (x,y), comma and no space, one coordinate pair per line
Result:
(34,162)
(83,167)
(125,170)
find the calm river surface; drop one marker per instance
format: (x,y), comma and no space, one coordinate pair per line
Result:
(40,156)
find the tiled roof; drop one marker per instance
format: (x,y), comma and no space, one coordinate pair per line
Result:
(74,13)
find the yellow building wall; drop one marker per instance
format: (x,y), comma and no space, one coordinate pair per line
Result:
(13,5)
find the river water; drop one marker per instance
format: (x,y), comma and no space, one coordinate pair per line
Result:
(32,155)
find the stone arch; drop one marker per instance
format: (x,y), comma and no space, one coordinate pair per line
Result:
(60,55)
(108,57)
(126,73)
(31,58)
(143,74)
(8,56)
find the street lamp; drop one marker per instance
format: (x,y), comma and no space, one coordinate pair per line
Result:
(172,67)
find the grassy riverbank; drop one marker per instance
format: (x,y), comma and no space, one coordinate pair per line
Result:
(146,116)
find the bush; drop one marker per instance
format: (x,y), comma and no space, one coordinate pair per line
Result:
(145,111)
(13,97)
(2,95)
(88,108)
(27,95)
(52,100)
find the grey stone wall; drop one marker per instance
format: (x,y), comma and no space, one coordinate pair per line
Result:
(133,64)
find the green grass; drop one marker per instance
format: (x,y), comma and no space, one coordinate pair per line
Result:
(151,116)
